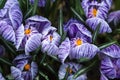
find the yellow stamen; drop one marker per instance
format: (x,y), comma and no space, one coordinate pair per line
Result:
(51,37)
(27,67)
(94,12)
(69,70)
(78,42)
(27,31)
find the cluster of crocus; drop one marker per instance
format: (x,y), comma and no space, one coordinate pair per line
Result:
(24,68)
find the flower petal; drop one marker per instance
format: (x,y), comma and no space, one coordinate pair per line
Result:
(34,70)
(103,77)
(1,77)
(39,22)
(15,15)
(107,67)
(114,17)
(112,51)
(93,23)
(9,3)
(16,73)
(7,31)
(3,12)
(64,50)
(85,50)
(33,43)
(19,36)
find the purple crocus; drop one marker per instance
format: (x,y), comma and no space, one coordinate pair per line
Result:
(24,68)
(29,36)
(78,46)
(96,8)
(71,68)
(114,17)
(41,3)
(10,19)
(74,27)
(50,41)
(110,62)
(1,77)
(96,13)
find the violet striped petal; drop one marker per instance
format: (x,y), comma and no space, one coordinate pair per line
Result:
(33,43)
(107,67)
(114,17)
(19,36)
(9,3)
(34,70)
(39,22)
(93,23)
(3,13)
(7,31)
(84,50)
(64,50)
(15,16)
(112,51)
(103,77)
(16,73)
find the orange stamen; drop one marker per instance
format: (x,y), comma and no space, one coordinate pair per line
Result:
(78,42)
(27,67)
(27,31)
(94,12)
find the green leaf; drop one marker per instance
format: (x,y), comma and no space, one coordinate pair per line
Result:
(66,74)
(78,16)
(78,7)
(95,34)
(43,58)
(5,61)
(84,70)
(35,7)
(50,68)
(43,75)
(6,43)
(60,28)
(2,3)
(83,60)
(28,13)
(107,44)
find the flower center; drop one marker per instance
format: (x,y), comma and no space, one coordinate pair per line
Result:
(94,12)
(78,42)
(69,70)
(27,31)
(27,67)
(51,38)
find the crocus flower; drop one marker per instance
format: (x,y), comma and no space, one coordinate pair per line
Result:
(1,77)
(70,68)
(74,27)
(78,46)
(50,41)
(10,19)
(24,68)
(110,62)
(95,8)
(114,18)
(29,36)
(41,3)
